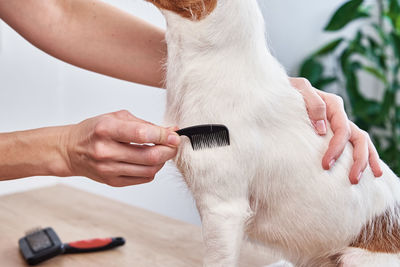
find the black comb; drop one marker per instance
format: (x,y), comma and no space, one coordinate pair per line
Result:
(206,136)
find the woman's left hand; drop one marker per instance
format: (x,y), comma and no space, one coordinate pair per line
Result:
(322,106)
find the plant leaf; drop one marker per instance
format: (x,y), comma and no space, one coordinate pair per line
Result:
(398,24)
(329,47)
(377,73)
(395,38)
(348,12)
(312,70)
(322,83)
(393,12)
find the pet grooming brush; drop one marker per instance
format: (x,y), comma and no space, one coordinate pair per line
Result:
(206,136)
(42,244)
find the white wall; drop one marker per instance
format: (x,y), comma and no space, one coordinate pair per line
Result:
(37,90)
(294,28)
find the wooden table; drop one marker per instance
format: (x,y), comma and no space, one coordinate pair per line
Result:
(152,240)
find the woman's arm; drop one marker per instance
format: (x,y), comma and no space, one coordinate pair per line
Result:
(92,35)
(99,148)
(33,153)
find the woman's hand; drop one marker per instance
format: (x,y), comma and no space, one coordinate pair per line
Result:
(322,106)
(101,148)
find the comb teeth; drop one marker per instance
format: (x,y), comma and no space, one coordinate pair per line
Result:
(209,140)
(207,136)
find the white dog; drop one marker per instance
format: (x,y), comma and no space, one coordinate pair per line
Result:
(268,184)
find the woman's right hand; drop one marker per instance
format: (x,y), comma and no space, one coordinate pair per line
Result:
(109,149)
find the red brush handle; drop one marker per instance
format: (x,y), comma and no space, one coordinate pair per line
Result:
(92,245)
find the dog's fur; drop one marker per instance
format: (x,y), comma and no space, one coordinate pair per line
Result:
(269,183)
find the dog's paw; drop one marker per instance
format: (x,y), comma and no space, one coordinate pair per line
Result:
(280,264)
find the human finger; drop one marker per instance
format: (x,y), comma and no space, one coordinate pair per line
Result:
(316,106)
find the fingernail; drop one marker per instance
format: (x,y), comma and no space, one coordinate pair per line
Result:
(320,126)
(331,163)
(379,175)
(173,140)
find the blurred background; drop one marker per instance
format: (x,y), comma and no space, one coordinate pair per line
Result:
(37,90)
(362,64)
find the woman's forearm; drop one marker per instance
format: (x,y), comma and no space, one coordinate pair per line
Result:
(99,148)
(92,35)
(33,153)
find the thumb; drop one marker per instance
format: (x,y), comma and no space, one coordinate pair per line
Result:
(141,133)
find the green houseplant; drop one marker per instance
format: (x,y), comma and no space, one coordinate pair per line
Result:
(374,50)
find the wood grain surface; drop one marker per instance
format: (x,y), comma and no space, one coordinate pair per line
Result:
(152,239)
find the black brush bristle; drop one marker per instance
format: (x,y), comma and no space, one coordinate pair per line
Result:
(206,136)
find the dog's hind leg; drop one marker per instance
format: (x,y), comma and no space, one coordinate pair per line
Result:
(356,257)
(223,227)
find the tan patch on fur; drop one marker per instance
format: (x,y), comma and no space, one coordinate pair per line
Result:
(193,9)
(382,234)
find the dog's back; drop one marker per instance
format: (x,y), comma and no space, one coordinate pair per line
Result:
(269,182)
